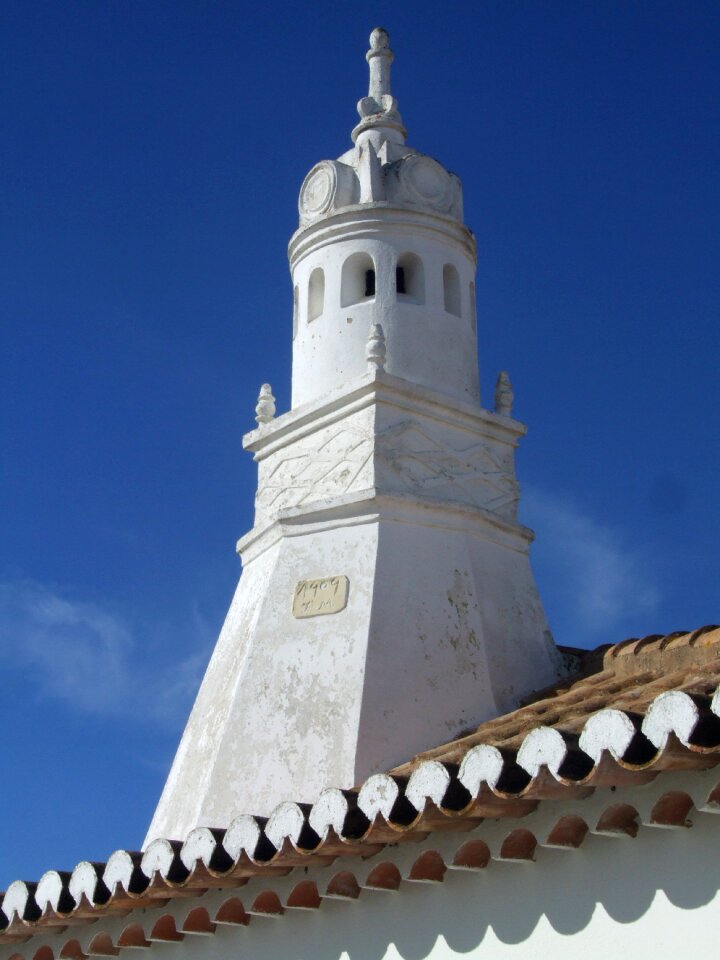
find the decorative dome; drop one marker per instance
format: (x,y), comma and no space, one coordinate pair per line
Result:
(380,169)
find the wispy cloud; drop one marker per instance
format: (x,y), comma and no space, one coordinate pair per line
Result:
(592,579)
(91,660)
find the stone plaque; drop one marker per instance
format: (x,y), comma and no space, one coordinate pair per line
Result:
(314,598)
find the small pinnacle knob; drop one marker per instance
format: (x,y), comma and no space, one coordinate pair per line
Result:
(376,349)
(504,395)
(379,39)
(265,409)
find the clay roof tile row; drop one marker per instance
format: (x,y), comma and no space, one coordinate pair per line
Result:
(627,676)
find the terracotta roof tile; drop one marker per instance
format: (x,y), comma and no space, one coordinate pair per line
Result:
(627,675)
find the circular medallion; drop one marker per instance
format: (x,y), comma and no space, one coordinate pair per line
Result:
(318,190)
(426,182)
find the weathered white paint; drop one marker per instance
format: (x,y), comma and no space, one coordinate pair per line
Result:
(611,730)
(542,747)
(387,472)
(308,704)
(672,712)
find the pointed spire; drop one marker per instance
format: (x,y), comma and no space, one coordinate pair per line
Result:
(379,109)
(379,57)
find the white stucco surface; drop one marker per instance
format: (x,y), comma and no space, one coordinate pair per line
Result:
(411,497)
(386,475)
(426,344)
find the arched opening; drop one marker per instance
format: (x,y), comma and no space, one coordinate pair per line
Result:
(267,904)
(473,855)
(520,844)
(305,896)
(358,279)
(568,832)
(618,819)
(316,294)
(409,278)
(672,810)
(296,301)
(473,309)
(451,290)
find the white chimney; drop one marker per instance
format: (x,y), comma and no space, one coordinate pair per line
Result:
(386,602)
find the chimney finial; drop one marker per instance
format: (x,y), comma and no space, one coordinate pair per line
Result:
(379,58)
(376,349)
(265,409)
(504,395)
(379,108)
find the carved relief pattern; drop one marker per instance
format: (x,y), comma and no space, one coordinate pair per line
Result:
(318,189)
(333,461)
(474,473)
(424,458)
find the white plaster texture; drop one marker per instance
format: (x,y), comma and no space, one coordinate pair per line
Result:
(277,712)
(382,433)
(393,477)
(443,629)
(426,344)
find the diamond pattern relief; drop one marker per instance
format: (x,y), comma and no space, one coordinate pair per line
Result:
(474,474)
(403,458)
(327,464)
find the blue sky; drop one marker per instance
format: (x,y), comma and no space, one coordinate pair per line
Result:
(151,155)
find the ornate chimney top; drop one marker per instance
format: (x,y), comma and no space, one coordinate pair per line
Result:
(380,168)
